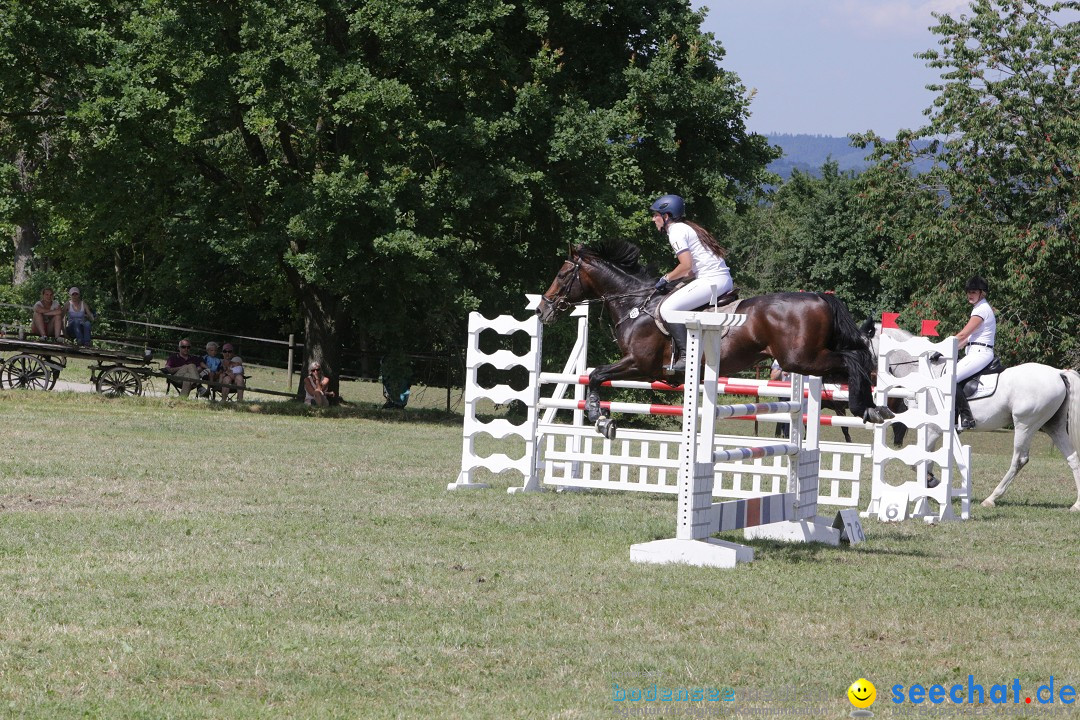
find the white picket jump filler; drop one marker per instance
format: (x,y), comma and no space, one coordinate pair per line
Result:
(790,516)
(932,406)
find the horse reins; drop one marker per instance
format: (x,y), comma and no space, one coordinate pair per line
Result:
(561,304)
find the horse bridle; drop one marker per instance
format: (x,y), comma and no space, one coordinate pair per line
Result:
(560,303)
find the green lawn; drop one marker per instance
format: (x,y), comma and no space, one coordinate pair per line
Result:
(168,558)
(261,377)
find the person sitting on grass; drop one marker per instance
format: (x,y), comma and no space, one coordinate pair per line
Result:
(315,387)
(232,376)
(184,367)
(48,314)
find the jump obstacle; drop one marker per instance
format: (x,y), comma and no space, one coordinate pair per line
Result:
(789,516)
(572,455)
(575,456)
(932,408)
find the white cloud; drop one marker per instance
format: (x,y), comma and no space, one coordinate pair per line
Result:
(893,16)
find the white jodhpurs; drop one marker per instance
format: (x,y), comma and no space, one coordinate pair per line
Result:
(976,359)
(693,295)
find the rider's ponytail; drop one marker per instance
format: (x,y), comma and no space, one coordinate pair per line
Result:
(706,238)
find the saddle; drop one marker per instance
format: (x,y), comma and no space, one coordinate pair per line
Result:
(983,383)
(726,303)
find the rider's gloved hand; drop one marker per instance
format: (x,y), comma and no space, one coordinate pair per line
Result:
(663,287)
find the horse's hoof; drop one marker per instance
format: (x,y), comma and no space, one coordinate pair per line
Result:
(932,481)
(606,427)
(878,415)
(990,503)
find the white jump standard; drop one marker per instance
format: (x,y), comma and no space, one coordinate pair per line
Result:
(786,516)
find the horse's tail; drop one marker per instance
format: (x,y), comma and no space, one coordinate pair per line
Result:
(1072,401)
(853,346)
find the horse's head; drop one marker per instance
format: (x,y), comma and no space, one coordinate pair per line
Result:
(899,362)
(565,290)
(603,271)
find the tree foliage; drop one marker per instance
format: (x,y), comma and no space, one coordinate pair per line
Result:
(814,234)
(1003,200)
(373,169)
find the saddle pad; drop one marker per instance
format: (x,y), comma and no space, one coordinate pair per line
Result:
(981,386)
(731,307)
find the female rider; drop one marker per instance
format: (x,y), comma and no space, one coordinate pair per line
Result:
(978,337)
(700,257)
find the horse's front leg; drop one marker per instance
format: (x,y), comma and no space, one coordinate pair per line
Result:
(627,367)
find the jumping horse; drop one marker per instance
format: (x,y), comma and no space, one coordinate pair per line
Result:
(808,333)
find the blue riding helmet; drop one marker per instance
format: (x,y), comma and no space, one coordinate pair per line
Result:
(672,205)
(976,283)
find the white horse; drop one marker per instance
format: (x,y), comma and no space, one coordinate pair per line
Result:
(1030,397)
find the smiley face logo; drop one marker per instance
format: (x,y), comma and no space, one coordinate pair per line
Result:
(862,693)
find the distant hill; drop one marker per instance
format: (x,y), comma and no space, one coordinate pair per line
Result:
(807,153)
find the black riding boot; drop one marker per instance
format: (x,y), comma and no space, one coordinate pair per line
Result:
(963,410)
(678,345)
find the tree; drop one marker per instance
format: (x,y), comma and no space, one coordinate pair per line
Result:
(1003,199)
(813,234)
(391,165)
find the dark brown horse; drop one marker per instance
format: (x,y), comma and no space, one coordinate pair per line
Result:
(808,333)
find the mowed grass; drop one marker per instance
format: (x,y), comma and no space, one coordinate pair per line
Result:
(166,558)
(77,370)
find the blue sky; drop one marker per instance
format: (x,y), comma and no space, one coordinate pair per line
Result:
(830,67)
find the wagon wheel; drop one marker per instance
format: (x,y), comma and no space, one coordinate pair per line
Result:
(27,372)
(54,372)
(118,382)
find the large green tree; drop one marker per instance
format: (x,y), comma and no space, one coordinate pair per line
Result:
(387,165)
(1004,198)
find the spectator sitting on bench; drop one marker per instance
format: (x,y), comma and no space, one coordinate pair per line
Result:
(232,376)
(213,367)
(48,316)
(79,318)
(184,368)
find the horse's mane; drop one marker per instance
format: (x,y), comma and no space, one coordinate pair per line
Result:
(621,254)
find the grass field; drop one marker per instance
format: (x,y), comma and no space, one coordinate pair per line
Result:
(261,377)
(176,559)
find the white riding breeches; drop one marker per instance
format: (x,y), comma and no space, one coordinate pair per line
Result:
(977,358)
(694,294)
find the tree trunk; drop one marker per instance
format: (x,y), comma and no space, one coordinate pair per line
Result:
(322,321)
(26,237)
(118,271)
(26,231)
